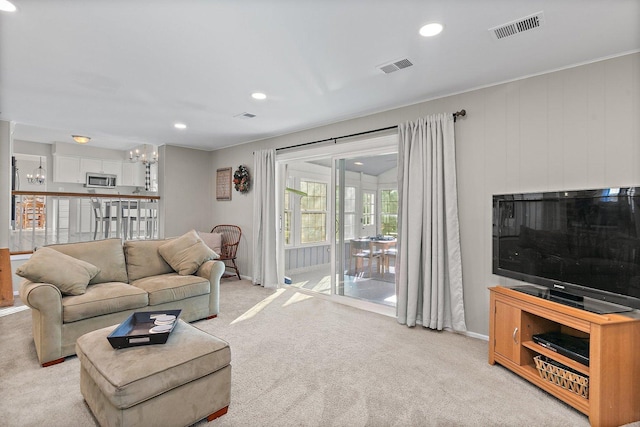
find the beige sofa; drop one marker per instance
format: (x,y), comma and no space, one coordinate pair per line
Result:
(131,277)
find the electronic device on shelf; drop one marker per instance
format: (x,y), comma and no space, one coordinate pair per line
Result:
(573,347)
(584,303)
(582,245)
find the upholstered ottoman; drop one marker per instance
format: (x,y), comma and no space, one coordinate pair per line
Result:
(173,384)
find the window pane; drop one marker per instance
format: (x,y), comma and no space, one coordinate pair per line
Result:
(313,216)
(349,226)
(287,228)
(350,199)
(288,214)
(313,228)
(368,208)
(389,214)
(316,198)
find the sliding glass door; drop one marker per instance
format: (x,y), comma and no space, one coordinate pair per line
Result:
(365,233)
(306,221)
(339,221)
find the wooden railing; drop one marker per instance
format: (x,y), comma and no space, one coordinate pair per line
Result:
(42,218)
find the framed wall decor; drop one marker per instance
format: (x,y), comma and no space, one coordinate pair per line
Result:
(223,184)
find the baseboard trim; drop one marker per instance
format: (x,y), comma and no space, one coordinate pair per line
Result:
(476,335)
(5,311)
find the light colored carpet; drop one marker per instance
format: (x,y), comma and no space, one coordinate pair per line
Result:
(305,361)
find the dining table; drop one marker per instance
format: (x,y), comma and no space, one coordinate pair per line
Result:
(122,217)
(383,247)
(129,211)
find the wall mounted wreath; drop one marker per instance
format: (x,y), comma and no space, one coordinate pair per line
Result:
(241,179)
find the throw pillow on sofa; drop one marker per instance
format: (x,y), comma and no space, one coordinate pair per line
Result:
(213,240)
(70,275)
(186,253)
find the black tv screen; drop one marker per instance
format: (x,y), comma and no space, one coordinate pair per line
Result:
(584,242)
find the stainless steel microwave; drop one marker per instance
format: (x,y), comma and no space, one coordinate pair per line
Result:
(100,180)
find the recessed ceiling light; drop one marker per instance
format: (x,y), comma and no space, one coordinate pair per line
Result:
(258,95)
(431,30)
(358,163)
(180,126)
(7,6)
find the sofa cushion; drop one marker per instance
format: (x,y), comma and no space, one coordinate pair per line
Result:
(186,253)
(107,255)
(68,274)
(172,287)
(144,260)
(103,298)
(213,240)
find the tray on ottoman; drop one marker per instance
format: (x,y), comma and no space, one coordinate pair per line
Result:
(138,329)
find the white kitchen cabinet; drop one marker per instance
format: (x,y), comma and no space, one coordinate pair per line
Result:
(132,174)
(90,165)
(62,214)
(86,220)
(113,167)
(67,169)
(74,169)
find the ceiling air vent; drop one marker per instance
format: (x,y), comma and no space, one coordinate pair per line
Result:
(244,116)
(514,27)
(395,66)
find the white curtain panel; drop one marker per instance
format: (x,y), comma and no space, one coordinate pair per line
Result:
(265,265)
(429,270)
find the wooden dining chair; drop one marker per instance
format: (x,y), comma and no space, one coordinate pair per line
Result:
(33,213)
(231,235)
(388,255)
(364,249)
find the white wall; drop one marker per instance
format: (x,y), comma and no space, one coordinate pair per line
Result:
(6,147)
(185,189)
(570,129)
(238,210)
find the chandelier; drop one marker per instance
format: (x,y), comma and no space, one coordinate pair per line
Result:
(143,157)
(38,176)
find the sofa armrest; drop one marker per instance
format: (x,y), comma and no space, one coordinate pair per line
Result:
(41,296)
(45,301)
(213,271)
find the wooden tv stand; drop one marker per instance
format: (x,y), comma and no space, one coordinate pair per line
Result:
(614,353)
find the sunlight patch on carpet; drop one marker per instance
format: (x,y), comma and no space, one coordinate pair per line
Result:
(323,284)
(393,299)
(300,284)
(259,306)
(297,297)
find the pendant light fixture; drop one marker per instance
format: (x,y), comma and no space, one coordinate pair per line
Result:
(143,157)
(38,176)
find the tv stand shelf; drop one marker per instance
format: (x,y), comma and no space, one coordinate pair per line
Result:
(614,353)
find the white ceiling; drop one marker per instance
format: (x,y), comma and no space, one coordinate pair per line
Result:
(124,71)
(370,165)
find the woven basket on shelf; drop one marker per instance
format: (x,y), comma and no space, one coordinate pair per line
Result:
(575,383)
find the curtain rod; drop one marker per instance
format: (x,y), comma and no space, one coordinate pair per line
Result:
(457,114)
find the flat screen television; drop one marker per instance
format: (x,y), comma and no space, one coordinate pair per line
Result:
(581,248)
